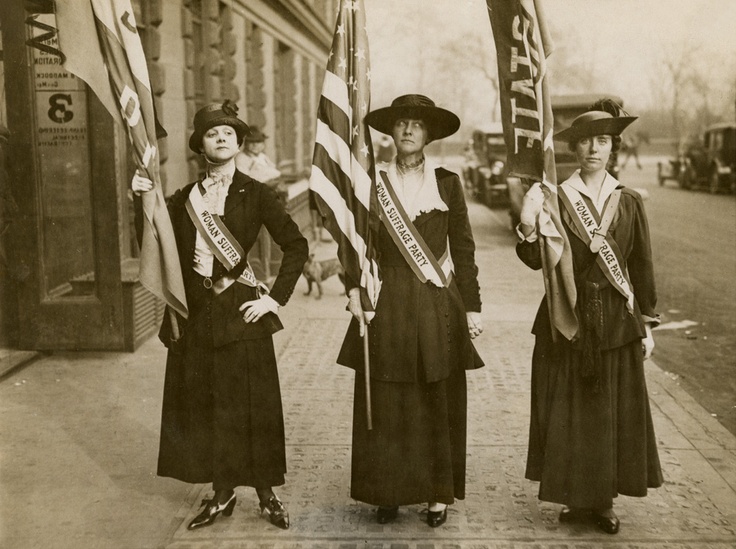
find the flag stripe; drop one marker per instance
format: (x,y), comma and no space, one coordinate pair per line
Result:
(334,118)
(342,171)
(342,184)
(356,182)
(335,90)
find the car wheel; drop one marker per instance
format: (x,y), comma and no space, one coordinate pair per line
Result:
(714,181)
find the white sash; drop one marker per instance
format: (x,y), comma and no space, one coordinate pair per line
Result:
(410,243)
(595,235)
(221,242)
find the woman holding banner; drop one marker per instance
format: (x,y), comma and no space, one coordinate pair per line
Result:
(420,336)
(591,434)
(222,419)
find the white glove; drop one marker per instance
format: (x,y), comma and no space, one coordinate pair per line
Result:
(356,309)
(254,310)
(140,184)
(531,206)
(647,344)
(475,324)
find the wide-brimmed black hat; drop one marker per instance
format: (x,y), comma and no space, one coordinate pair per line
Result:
(440,122)
(254,135)
(593,123)
(216,114)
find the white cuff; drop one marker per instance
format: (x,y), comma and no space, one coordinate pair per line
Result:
(523,238)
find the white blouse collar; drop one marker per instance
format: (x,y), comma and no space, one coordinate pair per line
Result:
(421,196)
(609,185)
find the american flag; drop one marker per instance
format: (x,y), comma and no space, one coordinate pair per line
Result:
(101,45)
(342,178)
(522,47)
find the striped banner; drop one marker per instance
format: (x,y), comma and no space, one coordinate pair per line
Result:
(102,47)
(522,47)
(342,178)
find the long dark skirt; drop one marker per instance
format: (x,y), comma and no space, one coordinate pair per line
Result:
(222,420)
(415,452)
(588,446)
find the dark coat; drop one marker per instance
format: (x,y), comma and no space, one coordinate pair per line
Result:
(591,438)
(249,206)
(630,230)
(222,418)
(420,331)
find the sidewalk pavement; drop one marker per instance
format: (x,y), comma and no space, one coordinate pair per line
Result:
(79,435)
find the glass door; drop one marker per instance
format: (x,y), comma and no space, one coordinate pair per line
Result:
(63,171)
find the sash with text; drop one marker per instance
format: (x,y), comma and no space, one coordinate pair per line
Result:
(410,243)
(219,239)
(594,234)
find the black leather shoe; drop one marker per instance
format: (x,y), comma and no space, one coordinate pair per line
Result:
(386,514)
(573,514)
(609,525)
(436,518)
(211,510)
(277,513)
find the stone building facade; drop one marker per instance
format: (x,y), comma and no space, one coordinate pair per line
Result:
(68,180)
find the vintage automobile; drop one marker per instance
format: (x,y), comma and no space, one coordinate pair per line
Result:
(564,109)
(485,167)
(711,162)
(676,168)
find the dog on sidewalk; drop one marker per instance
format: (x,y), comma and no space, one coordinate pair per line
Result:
(317,271)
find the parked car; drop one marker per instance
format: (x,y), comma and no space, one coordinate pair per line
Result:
(677,168)
(565,108)
(485,167)
(711,161)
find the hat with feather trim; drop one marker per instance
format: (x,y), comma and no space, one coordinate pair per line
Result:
(594,123)
(216,114)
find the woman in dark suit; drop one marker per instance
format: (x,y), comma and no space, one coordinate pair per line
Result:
(591,435)
(222,419)
(426,315)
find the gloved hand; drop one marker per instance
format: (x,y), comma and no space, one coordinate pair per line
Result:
(647,344)
(140,184)
(254,310)
(356,309)
(531,205)
(475,324)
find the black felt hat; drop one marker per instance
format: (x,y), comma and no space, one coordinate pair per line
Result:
(440,122)
(593,123)
(254,135)
(216,114)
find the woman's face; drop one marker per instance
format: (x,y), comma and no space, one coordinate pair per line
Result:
(255,147)
(593,152)
(410,136)
(220,143)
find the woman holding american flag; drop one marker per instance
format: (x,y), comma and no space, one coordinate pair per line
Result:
(427,312)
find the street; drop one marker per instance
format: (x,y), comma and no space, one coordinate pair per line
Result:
(694,248)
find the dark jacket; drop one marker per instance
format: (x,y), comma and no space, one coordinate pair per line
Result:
(249,206)
(420,331)
(630,230)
